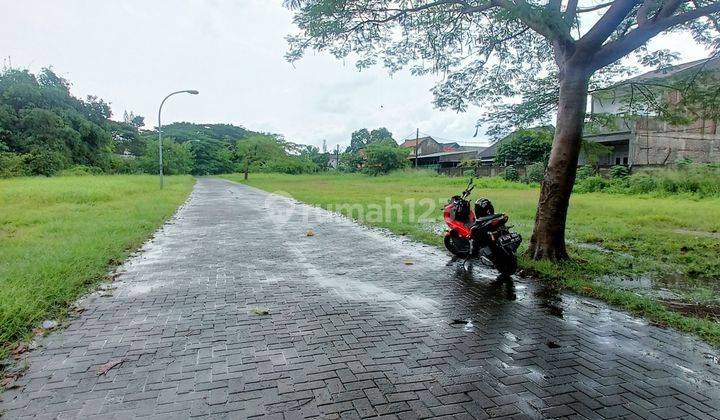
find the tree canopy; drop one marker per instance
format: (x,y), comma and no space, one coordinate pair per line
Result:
(548,53)
(47,128)
(44,129)
(525,146)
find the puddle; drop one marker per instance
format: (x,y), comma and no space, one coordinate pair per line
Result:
(599,248)
(671,287)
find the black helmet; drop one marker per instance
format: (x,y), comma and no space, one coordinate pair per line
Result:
(483,207)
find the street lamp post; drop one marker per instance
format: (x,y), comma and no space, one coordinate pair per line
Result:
(192,92)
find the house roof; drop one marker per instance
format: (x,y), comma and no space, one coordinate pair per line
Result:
(455,152)
(490,151)
(708,63)
(412,142)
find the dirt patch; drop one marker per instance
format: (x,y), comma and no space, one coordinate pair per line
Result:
(695,310)
(706,234)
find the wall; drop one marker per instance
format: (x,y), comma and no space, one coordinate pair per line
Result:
(663,147)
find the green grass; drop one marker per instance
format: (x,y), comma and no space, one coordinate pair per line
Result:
(672,239)
(59,236)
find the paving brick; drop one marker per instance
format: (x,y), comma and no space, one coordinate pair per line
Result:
(352,332)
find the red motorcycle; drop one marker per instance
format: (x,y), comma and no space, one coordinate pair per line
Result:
(481,234)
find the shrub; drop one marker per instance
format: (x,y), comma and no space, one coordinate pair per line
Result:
(591,184)
(585,171)
(125,165)
(511,174)
(290,165)
(641,184)
(12,164)
(619,171)
(535,172)
(383,156)
(698,179)
(45,163)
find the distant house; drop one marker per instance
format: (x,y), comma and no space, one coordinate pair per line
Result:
(646,140)
(427,145)
(333,160)
(487,155)
(429,151)
(447,159)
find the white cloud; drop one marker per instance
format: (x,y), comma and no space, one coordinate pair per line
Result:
(132,53)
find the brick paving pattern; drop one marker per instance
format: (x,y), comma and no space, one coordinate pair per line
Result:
(353,331)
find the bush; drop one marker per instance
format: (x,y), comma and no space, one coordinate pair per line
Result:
(585,171)
(619,171)
(12,164)
(642,184)
(45,163)
(289,165)
(535,172)
(591,184)
(383,156)
(698,179)
(125,165)
(511,174)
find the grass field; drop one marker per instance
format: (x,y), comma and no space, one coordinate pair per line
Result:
(59,235)
(636,251)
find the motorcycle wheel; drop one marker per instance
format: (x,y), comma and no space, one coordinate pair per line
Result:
(458,246)
(505,262)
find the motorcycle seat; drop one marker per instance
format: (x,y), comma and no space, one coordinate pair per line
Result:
(481,220)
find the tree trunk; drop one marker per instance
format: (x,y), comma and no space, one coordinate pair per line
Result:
(247,169)
(548,238)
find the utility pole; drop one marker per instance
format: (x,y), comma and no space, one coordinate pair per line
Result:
(324,146)
(337,155)
(417,140)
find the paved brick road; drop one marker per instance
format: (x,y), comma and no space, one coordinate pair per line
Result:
(352,331)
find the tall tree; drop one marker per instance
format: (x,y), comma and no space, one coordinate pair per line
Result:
(495,49)
(358,140)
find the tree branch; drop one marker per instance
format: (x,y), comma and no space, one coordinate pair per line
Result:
(668,8)
(594,8)
(571,11)
(617,49)
(643,13)
(607,24)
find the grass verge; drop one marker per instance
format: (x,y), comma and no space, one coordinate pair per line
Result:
(59,235)
(618,242)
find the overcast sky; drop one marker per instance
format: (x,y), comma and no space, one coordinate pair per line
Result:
(132,52)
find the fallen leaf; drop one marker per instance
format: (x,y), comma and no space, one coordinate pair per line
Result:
(103,369)
(38,330)
(20,349)
(310,233)
(8,382)
(261,311)
(408,262)
(553,345)
(587,289)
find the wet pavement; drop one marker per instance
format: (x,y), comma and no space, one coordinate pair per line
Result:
(233,311)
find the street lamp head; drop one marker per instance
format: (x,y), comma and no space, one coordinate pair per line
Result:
(192,92)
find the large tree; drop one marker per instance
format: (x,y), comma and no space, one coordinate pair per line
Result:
(490,50)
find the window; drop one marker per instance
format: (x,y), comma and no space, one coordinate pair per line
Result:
(617,160)
(625,160)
